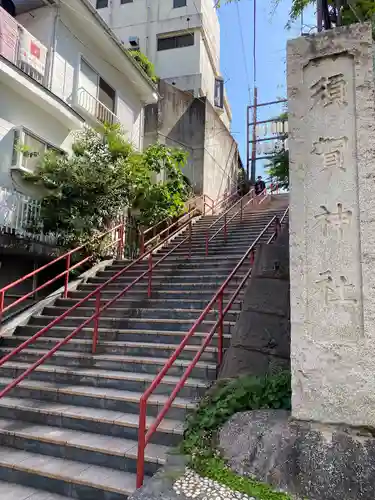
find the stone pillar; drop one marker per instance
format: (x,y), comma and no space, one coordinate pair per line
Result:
(332,226)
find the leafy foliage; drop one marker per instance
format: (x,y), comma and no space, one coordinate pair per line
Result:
(229,397)
(215,468)
(89,190)
(224,400)
(358,10)
(278,169)
(145,64)
(164,198)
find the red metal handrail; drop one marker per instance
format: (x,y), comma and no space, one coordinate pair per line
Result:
(167,230)
(119,229)
(99,307)
(143,436)
(224,216)
(190,204)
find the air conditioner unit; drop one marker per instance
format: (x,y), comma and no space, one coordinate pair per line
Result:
(134,42)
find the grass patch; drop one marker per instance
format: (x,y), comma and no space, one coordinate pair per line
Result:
(222,402)
(215,468)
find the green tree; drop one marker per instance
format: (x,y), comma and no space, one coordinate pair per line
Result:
(88,190)
(278,169)
(357,10)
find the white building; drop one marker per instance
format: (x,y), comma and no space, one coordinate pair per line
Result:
(180,37)
(60,66)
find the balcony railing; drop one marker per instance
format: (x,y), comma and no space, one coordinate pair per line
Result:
(96,109)
(17,212)
(21,48)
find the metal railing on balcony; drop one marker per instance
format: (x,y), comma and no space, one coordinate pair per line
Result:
(21,48)
(17,211)
(95,108)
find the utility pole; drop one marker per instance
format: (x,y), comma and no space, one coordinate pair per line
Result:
(254,144)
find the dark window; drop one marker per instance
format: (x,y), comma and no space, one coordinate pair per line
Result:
(176,42)
(126,1)
(106,95)
(219,93)
(101,4)
(179,3)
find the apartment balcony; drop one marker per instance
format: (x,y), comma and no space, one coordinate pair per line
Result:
(24,68)
(21,48)
(94,109)
(17,212)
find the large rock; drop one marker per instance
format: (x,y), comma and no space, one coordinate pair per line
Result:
(308,460)
(260,341)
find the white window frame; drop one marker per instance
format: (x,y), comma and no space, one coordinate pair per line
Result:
(18,157)
(82,57)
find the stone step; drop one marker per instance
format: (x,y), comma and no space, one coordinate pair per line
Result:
(134,294)
(65,477)
(160,272)
(103,394)
(203,369)
(95,377)
(93,449)
(12,491)
(88,419)
(194,261)
(221,251)
(167,286)
(135,323)
(151,336)
(158,280)
(170,304)
(88,309)
(227,262)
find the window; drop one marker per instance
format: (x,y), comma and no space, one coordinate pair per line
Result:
(126,1)
(95,95)
(101,4)
(179,3)
(26,142)
(219,93)
(176,42)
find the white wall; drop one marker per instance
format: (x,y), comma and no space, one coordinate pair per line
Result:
(17,111)
(149,18)
(71,44)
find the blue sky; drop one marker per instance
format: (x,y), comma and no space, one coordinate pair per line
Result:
(271,57)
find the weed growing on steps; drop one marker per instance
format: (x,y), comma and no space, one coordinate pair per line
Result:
(220,403)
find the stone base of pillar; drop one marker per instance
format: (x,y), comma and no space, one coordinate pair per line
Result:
(307,460)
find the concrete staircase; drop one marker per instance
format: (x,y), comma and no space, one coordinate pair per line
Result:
(70,429)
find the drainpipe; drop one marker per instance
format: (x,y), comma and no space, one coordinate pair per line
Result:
(148,21)
(52,51)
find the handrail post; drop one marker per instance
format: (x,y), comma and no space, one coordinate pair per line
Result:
(190,240)
(241,209)
(220,301)
(141,443)
(225,228)
(66,281)
(204,204)
(96,323)
(207,234)
(142,242)
(277,227)
(252,257)
(149,291)
(2,300)
(120,245)
(221,327)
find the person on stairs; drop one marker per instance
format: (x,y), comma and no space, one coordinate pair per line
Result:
(260,185)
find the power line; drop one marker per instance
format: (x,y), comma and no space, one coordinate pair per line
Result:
(243,51)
